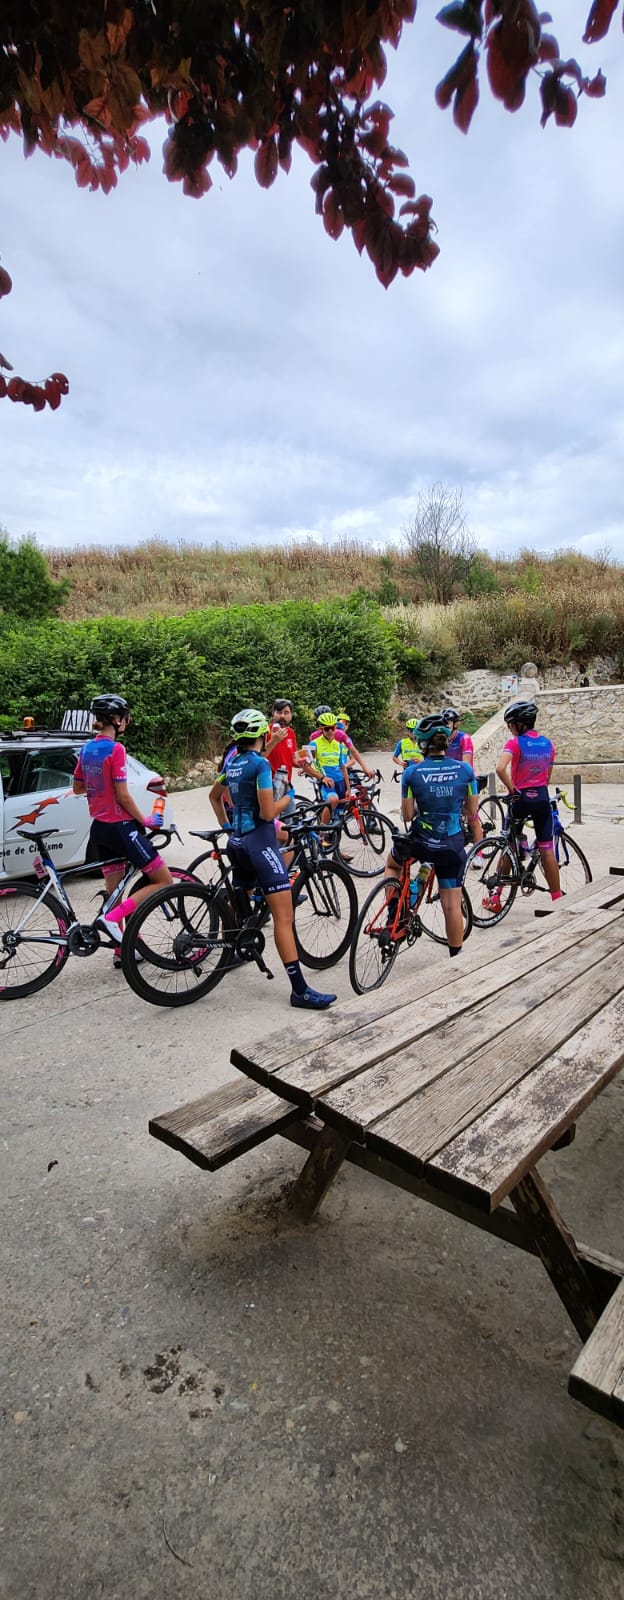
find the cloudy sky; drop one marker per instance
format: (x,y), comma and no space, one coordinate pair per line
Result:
(236,375)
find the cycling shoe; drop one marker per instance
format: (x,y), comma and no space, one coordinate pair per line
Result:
(311,1000)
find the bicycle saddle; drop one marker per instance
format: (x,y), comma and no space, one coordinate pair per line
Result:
(44,833)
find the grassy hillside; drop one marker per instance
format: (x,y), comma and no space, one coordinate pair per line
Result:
(507,611)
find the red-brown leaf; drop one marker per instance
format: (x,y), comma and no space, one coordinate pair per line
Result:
(599,20)
(466,102)
(595,87)
(265,163)
(333,216)
(6,282)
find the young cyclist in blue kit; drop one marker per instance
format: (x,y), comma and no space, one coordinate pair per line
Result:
(247,786)
(433,793)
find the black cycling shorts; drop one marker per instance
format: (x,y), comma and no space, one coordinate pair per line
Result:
(447,855)
(116,843)
(256,858)
(534,803)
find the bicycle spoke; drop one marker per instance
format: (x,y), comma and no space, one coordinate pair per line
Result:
(32,930)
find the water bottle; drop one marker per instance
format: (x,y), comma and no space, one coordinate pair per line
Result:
(523,846)
(414,892)
(157,813)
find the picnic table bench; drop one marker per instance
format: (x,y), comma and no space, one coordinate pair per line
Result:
(452,1085)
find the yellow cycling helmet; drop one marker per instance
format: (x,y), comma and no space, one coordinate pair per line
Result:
(327,719)
(411,723)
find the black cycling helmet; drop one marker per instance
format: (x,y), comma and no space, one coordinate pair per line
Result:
(450,715)
(427,727)
(522,712)
(280,705)
(320,711)
(109,708)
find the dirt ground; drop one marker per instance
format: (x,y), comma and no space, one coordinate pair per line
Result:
(204,1397)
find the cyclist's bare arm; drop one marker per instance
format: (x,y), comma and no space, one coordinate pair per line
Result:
(218,795)
(125,799)
(270,808)
(408,809)
(79,787)
(472,812)
(360,761)
(503,767)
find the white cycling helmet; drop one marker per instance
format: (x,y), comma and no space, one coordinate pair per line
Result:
(249,724)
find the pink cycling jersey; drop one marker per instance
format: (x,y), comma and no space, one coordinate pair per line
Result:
(101,764)
(339,734)
(532,756)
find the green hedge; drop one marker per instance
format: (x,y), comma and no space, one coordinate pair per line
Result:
(186,676)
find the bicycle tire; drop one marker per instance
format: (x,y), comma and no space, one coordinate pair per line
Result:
(176,978)
(369,966)
(9,895)
(492,813)
(374,842)
(485,859)
(201,861)
(564,842)
(431,915)
(322,909)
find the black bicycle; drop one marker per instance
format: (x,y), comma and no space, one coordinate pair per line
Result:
(190,936)
(39,927)
(505,863)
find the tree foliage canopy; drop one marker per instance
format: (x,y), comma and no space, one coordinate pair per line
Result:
(80,80)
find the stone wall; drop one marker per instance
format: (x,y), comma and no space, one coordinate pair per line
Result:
(585,725)
(474,691)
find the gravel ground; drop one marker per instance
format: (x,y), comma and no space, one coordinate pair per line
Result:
(201,1396)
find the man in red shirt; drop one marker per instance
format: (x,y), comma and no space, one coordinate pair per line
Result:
(281,751)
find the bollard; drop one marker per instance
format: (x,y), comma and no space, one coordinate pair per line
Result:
(577,797)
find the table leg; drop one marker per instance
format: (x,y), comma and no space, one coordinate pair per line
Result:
(557,1249)
(319,1172)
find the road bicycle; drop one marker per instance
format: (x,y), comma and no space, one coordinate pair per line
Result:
(365,833)
(39,928)
(505,863)
(389,923)
(190,935)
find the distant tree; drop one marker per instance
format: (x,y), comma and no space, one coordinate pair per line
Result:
(438,542)
(26,588)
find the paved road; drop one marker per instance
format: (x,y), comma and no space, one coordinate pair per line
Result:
(374,1406)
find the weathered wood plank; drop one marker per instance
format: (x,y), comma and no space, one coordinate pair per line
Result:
(432,1118)
(600,892)
(312,1073)
(345,1022)
(425,1073)
(597,1377)
(495,1151)
(557,1250)
(224,1124)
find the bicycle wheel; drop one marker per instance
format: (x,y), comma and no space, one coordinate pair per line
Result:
(432,916)
(31,926)
(363,843)
(494,886)
(574,868)
(176,946)
(205,868)
(326,907)
(373,953)
(491,813)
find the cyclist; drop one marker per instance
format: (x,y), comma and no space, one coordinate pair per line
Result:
(281,752)
(433,792)
(118,826)
(524,768)
(328,760)
(406,749)
(247,785)
(461,748)
(460,745)
(343,736)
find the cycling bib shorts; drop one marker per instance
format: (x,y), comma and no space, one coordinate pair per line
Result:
(256,858)
(535,803)
(116,843)
(447,855)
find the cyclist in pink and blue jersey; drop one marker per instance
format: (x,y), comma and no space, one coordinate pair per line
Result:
(525,767)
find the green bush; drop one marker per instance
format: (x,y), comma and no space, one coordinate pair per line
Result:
(186,676)
(26,588)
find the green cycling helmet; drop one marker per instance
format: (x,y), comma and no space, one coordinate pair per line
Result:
(411,723)
(327,719)
(426,728)
(249,724)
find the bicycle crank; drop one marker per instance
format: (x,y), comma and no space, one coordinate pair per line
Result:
(83,941)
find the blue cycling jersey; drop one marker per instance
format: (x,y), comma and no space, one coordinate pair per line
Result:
(244,775)
(439,788)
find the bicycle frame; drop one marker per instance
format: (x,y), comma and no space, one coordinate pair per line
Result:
(50,877)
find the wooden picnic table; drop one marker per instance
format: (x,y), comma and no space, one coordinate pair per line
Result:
(453,1084)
